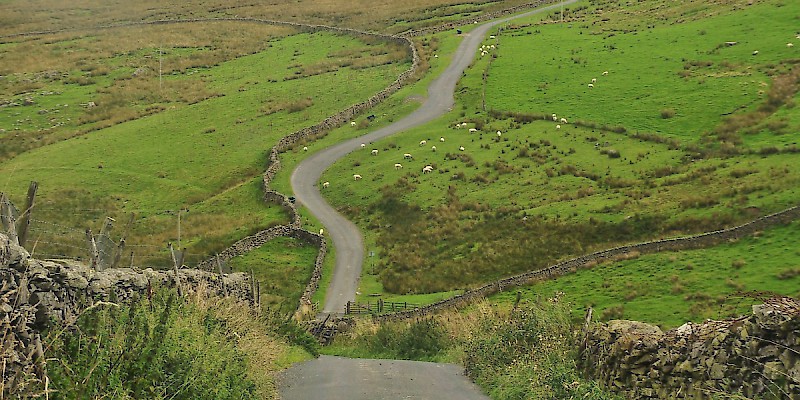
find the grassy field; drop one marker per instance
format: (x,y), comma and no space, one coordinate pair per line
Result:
(206,157)
(688,142)
(672,288)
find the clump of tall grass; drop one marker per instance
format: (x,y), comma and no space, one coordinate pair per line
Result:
(526,352)
(166,347)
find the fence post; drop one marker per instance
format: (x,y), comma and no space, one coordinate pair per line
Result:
(347,307)
(93,253)
(121,245)
(7,218)
(175,268)
(221,278)
(25,218)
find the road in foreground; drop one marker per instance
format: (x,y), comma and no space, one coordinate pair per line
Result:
(361,379)
(345,235)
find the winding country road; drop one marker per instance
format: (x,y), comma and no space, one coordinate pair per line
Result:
(346,237)
(357,379)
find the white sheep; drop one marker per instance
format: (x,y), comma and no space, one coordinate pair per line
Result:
(563,120)
(356,177)
(433,148)
(461,148)
(558,126)
(499,133)
(594,80)
(363,145)
(427,169)
(435,56)
(325,184)
(423,142)
(472,130)
(555,118)
(321,231)
(374,152)
(441,139)
(789,44)
(352,123)
(755,53)
(398,166)
(591,85)
(408,156)
(305,148)
(492,37)
(605,73)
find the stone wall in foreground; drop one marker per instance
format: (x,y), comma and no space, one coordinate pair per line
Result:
(754,356)
(35,294)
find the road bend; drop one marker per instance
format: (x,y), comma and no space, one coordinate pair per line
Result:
(346,237)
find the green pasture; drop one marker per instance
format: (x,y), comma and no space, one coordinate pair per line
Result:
(652,67)
(611,185)
(283,267)
(208,156)
(672,288)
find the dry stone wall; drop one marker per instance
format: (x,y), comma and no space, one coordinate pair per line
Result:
(572,265)
(36,293)
(757,356)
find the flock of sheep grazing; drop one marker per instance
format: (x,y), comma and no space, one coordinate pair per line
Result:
(423,143)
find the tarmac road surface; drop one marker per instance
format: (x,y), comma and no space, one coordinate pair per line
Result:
(335,378)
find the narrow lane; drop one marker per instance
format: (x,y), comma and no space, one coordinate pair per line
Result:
(346,237)
(338,378)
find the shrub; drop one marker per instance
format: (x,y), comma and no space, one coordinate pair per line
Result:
(667,113)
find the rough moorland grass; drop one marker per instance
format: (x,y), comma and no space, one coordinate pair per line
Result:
(394,16)
(580,187)
(672,288)
(185,156)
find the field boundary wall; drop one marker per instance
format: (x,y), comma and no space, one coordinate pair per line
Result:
(37,294)
(572,265)
(755,356)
